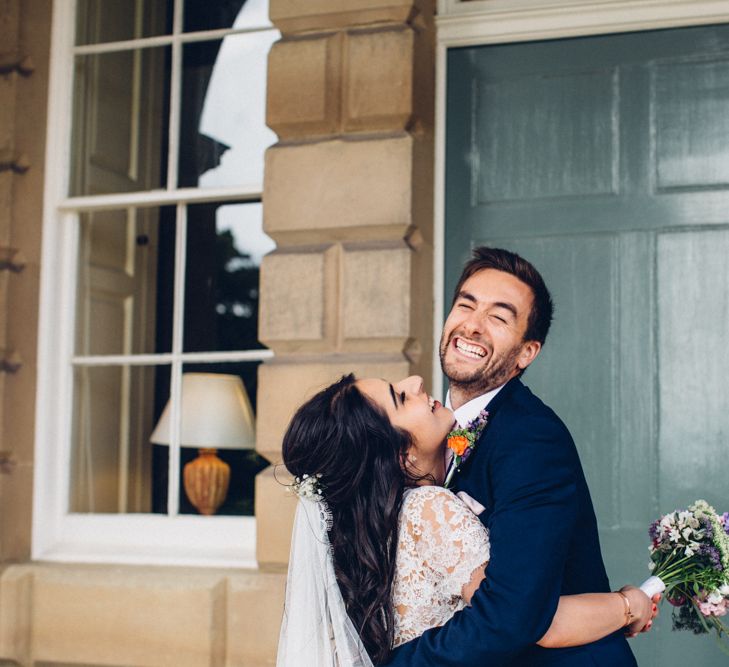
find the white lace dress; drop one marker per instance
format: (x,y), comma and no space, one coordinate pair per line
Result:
(440,545)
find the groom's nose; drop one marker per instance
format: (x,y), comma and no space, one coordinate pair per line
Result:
(472,325)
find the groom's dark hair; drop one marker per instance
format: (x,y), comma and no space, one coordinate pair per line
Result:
(540,316)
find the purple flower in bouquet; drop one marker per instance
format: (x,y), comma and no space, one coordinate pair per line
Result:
(654,531)
(712,554)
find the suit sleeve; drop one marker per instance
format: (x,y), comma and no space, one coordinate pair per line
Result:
(532,469)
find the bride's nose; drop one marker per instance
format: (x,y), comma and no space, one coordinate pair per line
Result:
(412,385)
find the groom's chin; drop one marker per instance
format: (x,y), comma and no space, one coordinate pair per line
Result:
(460,369)
(462,377)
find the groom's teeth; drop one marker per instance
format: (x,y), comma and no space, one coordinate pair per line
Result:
(471,350)
(431,403)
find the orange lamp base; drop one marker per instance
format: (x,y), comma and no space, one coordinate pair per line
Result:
(206,481)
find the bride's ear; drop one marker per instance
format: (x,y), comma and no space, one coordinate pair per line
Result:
(411,460)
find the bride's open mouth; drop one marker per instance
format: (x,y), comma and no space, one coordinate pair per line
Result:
(433,404)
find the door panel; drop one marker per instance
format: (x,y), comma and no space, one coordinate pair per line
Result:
(693,276)
(587,401)
(572,125)
(117,132)
(692,124)
(605,161)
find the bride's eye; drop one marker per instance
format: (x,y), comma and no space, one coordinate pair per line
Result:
(402,397)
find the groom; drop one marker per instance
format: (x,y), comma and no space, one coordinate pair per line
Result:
(526,475)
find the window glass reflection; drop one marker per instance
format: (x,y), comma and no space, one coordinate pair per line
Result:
(218,415)
(113,417)
(124,287)
(205,15)
(119,121)
(225,246)
(223,134)
(119,20)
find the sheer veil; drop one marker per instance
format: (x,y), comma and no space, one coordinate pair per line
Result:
(316,630)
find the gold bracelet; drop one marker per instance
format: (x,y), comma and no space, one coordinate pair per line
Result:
(629,618)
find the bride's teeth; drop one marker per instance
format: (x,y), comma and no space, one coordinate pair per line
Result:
(431,403)
(470,349)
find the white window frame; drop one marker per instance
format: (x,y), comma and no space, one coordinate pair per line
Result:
(481,22)
(58,535)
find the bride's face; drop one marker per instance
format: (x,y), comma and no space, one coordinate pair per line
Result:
(410,408)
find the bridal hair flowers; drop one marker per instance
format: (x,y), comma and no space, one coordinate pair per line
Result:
(690,561)
(308,487)
(462,441)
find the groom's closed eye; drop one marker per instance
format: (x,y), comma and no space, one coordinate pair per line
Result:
(509,307)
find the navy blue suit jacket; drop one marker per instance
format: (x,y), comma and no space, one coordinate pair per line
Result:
(544,543)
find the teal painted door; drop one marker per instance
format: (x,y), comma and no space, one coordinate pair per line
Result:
(605,161)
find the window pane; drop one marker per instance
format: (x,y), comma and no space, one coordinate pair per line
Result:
(225,246)
(124,294)
(204,15)
(104,21)
(218,408)
(113,417)
(119,121)
(222,133)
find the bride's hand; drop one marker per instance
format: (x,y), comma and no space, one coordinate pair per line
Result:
(643,610)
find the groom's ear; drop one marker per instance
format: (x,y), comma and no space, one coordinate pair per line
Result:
(529,351)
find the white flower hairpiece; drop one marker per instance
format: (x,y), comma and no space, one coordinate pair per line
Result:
(308,486)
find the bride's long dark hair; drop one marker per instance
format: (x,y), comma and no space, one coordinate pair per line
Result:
(341,435)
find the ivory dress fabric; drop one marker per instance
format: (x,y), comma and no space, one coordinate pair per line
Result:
(440,545)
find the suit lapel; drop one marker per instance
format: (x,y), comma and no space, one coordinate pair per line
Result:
(497,401)
(492,408)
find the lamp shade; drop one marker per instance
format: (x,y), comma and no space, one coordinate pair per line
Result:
(216,414)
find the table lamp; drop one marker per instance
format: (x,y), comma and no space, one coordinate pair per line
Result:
(216,414)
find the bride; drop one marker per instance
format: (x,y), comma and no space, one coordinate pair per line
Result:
(380,551)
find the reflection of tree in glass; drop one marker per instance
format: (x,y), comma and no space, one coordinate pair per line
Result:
(237,295)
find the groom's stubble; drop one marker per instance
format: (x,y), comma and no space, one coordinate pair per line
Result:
(496,371)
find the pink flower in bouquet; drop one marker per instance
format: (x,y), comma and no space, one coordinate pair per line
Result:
(715,604)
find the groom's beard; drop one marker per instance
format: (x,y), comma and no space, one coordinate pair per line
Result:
(497,371)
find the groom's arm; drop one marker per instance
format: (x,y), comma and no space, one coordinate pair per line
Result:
(533,478)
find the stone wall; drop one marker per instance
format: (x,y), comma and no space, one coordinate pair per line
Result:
(114,615)
(24,39)
(348,199)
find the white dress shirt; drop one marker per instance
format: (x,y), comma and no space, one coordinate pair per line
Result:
(469,411)
(466,413)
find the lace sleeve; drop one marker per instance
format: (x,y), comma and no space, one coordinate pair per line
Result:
(448,537)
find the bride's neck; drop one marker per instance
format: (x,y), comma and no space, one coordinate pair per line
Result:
(430,468)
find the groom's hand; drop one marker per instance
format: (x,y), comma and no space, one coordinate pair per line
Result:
(642,608)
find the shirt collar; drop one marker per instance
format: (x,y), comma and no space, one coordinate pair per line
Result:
(469,411)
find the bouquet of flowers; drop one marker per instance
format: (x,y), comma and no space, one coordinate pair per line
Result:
(690,562)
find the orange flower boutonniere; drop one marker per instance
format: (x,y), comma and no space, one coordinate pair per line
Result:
(458,443)
(462,441)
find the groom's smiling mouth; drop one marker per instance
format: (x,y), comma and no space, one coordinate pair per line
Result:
(468,349)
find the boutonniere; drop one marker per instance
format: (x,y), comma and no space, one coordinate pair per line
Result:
(462,441)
